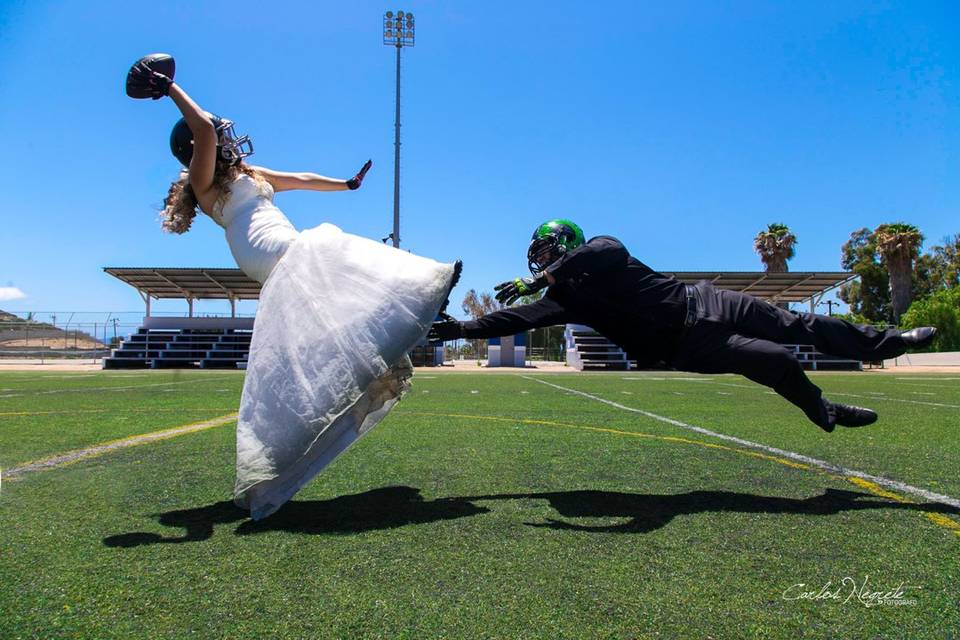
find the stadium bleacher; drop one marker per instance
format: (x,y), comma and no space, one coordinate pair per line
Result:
(587,350)
(182,349)
(224,343)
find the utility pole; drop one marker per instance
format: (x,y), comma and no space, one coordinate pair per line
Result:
(398,32)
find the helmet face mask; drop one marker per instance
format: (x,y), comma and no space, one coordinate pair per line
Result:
(543,252)
(551,241)
(230,148)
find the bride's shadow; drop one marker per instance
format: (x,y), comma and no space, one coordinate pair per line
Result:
(383,508)
(390,507)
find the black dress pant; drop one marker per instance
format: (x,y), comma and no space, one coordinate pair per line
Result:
(737,333)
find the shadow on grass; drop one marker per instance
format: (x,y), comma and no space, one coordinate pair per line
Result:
(648,512)
(383,508)
(391,507)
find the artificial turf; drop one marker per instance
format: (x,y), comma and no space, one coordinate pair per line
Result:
(484,506)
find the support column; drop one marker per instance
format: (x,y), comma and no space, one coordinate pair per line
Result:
(396,161)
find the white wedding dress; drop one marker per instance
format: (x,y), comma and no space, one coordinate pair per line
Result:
(336,318)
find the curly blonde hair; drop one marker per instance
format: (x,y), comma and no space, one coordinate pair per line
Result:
(181,205)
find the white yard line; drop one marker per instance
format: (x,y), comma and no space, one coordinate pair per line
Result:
(668,378)
(932,386)
(67,377)
(873,395)
(826,466)
(889,399)
(127,388)
(754,387)
(96,450)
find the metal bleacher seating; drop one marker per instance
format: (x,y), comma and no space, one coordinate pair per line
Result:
(813,360)
(182,349)
(589,351)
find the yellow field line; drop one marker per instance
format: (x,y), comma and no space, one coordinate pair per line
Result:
(76,455)
(937,518)
(63,411)
(636,434)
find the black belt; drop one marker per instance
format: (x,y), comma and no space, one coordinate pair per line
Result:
(691,318)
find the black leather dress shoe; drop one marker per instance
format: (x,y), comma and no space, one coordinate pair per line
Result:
(847,415)
(919,337)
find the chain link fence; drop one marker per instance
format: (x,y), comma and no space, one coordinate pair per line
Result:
(43,336)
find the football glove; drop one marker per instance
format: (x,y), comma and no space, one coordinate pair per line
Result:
(512,290)
(357,180)
(151,76)
(447,328)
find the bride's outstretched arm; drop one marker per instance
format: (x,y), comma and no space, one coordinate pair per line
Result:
(287,181)
(203,163)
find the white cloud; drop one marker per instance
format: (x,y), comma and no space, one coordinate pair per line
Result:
(11,293)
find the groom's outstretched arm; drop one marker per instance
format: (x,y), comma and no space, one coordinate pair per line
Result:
(512,320)
(506,322)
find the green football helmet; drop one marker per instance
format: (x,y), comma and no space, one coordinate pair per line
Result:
(550,241)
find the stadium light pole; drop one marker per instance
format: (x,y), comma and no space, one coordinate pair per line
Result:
(398,32)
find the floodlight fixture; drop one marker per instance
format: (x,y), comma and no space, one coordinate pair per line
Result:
(399,29)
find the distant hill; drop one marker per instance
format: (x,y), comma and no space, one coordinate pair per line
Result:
(18,332)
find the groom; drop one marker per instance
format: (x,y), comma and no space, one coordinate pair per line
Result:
(656,318)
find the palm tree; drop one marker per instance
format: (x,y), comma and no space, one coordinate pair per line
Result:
(775,246)
(899,245)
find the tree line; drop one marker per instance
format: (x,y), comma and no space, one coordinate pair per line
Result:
(898,284)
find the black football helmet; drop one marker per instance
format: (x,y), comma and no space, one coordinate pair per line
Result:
(230,148)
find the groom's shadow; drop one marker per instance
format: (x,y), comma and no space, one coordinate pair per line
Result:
(648,512)
(391,507)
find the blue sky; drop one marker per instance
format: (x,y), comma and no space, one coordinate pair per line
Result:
(683,128)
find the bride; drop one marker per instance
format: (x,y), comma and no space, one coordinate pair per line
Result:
(337,313)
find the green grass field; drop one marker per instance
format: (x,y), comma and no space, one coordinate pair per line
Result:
(486,506)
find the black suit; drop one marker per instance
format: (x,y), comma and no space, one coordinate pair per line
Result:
(602,286)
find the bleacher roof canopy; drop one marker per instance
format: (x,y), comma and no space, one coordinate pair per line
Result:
(202,283)
(794,286)
(196,284)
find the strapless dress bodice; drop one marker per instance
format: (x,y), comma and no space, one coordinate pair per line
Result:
(257,231)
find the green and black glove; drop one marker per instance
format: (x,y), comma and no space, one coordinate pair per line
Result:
(510,291)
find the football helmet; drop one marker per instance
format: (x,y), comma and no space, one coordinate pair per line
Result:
(550,241)
(230,148)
